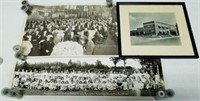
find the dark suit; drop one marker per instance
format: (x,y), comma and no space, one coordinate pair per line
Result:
(46,46)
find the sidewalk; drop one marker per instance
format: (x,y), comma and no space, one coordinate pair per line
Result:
(175,40)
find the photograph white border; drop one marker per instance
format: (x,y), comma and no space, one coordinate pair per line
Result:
(127,49)
(86,97)
(22,33)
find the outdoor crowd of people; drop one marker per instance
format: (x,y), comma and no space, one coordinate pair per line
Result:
(88,80)
(42,35)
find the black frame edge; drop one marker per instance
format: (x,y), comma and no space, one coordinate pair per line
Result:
(119,31)
(195,56)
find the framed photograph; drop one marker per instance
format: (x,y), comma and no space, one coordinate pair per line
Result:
(97,76)
(70,30)
(155,29)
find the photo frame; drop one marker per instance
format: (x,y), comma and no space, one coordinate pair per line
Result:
(155,29)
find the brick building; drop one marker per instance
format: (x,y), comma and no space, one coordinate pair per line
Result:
(154,28)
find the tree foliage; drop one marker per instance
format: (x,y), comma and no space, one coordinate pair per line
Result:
(115,60)
(147,66)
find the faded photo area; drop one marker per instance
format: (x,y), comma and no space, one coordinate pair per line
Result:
(114,76)
(71,30)
(154,29)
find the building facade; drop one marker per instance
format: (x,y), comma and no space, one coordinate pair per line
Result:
(154,28)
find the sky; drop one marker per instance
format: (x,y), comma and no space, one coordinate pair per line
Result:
(137,19)
(91,60)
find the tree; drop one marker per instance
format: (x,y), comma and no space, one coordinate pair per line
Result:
(98,63)
(70,62)
(78,63)
(115,60)
(85,64)
(124,60)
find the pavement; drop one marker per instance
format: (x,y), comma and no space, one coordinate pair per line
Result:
(175,40)
(108,47)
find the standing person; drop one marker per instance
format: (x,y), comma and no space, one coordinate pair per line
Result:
(125,84)
(97,37)
(120,82)
(76,35)
(99,85)
(67,34)
(89,47)
(82,39)
(16,81)
(105,33)
(136,87)
(130,83)
(35,51)
(86,32)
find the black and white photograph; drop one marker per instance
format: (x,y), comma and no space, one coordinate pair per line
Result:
(154,29)
(110,76)
(71,30)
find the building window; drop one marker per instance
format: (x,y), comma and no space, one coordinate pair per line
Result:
(159,33)
(152,31)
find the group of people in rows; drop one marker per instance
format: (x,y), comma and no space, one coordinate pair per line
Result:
(42,35)
(86,80)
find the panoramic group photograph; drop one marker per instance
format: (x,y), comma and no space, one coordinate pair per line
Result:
(113,76)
